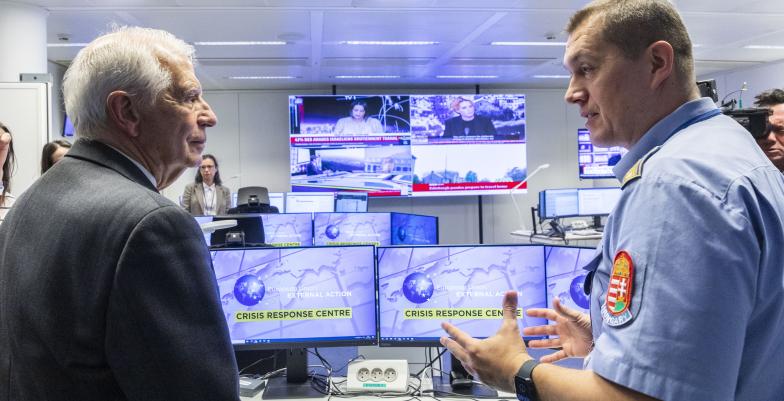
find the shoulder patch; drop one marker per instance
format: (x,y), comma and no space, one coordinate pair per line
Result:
(616,311)
(635,171)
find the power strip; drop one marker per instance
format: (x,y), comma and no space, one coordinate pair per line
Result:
(380,375)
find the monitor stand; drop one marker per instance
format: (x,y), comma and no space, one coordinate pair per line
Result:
(597,223)
(296,383)
(460,382)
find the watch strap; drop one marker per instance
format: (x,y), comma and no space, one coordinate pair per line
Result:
(524,383)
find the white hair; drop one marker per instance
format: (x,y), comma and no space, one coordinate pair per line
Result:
(126,59)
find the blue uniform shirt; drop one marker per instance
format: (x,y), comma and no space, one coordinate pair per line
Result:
(703,230)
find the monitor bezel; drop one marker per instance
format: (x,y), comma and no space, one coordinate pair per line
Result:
(315,342)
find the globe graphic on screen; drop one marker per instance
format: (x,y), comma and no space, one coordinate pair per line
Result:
(401,233)
(418,288)
(577,292)
(332,231)
(249,290)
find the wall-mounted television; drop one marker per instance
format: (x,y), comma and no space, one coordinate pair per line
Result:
(408,145)
(596,161)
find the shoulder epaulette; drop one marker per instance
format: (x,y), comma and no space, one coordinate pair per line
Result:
(635,171)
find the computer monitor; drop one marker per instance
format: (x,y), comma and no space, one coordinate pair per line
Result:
(289,229)
(351,202)
(295,298)
(351,228)
(596,161)
(414,229)
(68,128)
(310,202)
(421,286)
(250,225)
(555,203)
(566,276)
(278,199)
(597,201)
(201,220)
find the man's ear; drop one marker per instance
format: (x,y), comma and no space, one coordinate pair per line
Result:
(662,61)
(122,113)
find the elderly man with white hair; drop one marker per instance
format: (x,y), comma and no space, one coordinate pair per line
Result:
(107,289)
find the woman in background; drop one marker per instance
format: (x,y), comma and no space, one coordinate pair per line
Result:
(207,196)
(52,153)
(8,160)
(358,122)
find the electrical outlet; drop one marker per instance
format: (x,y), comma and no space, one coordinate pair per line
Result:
(387,375)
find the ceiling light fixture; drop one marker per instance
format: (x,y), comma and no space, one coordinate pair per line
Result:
(366,76)
(528,43)
(764,47)
(388,42)
(242,43)
(466,76)
(66,44)
(265,77)
(552,76)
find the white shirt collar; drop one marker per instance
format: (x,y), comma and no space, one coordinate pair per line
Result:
(139,165)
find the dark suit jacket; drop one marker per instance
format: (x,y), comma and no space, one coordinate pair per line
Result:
(480,125)
(193,199)
(107,291)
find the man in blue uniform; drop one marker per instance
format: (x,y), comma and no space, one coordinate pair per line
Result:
(773,143)
(687,288)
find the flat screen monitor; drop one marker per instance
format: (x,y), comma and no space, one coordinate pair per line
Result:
(420,287)
(555,203)
(288,229)
(278,199)
(566,277)
(414,229)
(351,202)
(297,297)
(201,220)
(408,145)
(251,226)
(596,161)
(597,201)
(68,128)
(351,228)
(310,202)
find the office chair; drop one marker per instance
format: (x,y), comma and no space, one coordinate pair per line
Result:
(253,200)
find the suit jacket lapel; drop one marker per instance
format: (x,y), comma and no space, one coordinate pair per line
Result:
(99,153)
(200,196)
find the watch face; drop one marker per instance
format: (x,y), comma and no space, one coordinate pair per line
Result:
(521,389)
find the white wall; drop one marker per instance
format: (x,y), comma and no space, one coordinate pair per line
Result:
(758,79)
(251,142)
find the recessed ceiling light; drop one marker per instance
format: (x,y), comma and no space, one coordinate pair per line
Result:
(265,77)
(66,44)
(763,47)
(242,43)
(528,43)
(466,76)
(389,42)
(366,76)
(551,76)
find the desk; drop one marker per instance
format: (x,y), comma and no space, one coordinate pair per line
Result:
(427,384)
(591,238)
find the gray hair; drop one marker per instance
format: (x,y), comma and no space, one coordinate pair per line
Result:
(126,59)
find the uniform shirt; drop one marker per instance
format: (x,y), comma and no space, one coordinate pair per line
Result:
(704,231)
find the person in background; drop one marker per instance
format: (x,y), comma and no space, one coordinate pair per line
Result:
(314,167)
(116,298)
(7,160)
(467,122)
(358,122)
(207,195)
(773,143)
(686,303)
(52,153)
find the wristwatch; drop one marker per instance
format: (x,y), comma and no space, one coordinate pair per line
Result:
(524,383)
